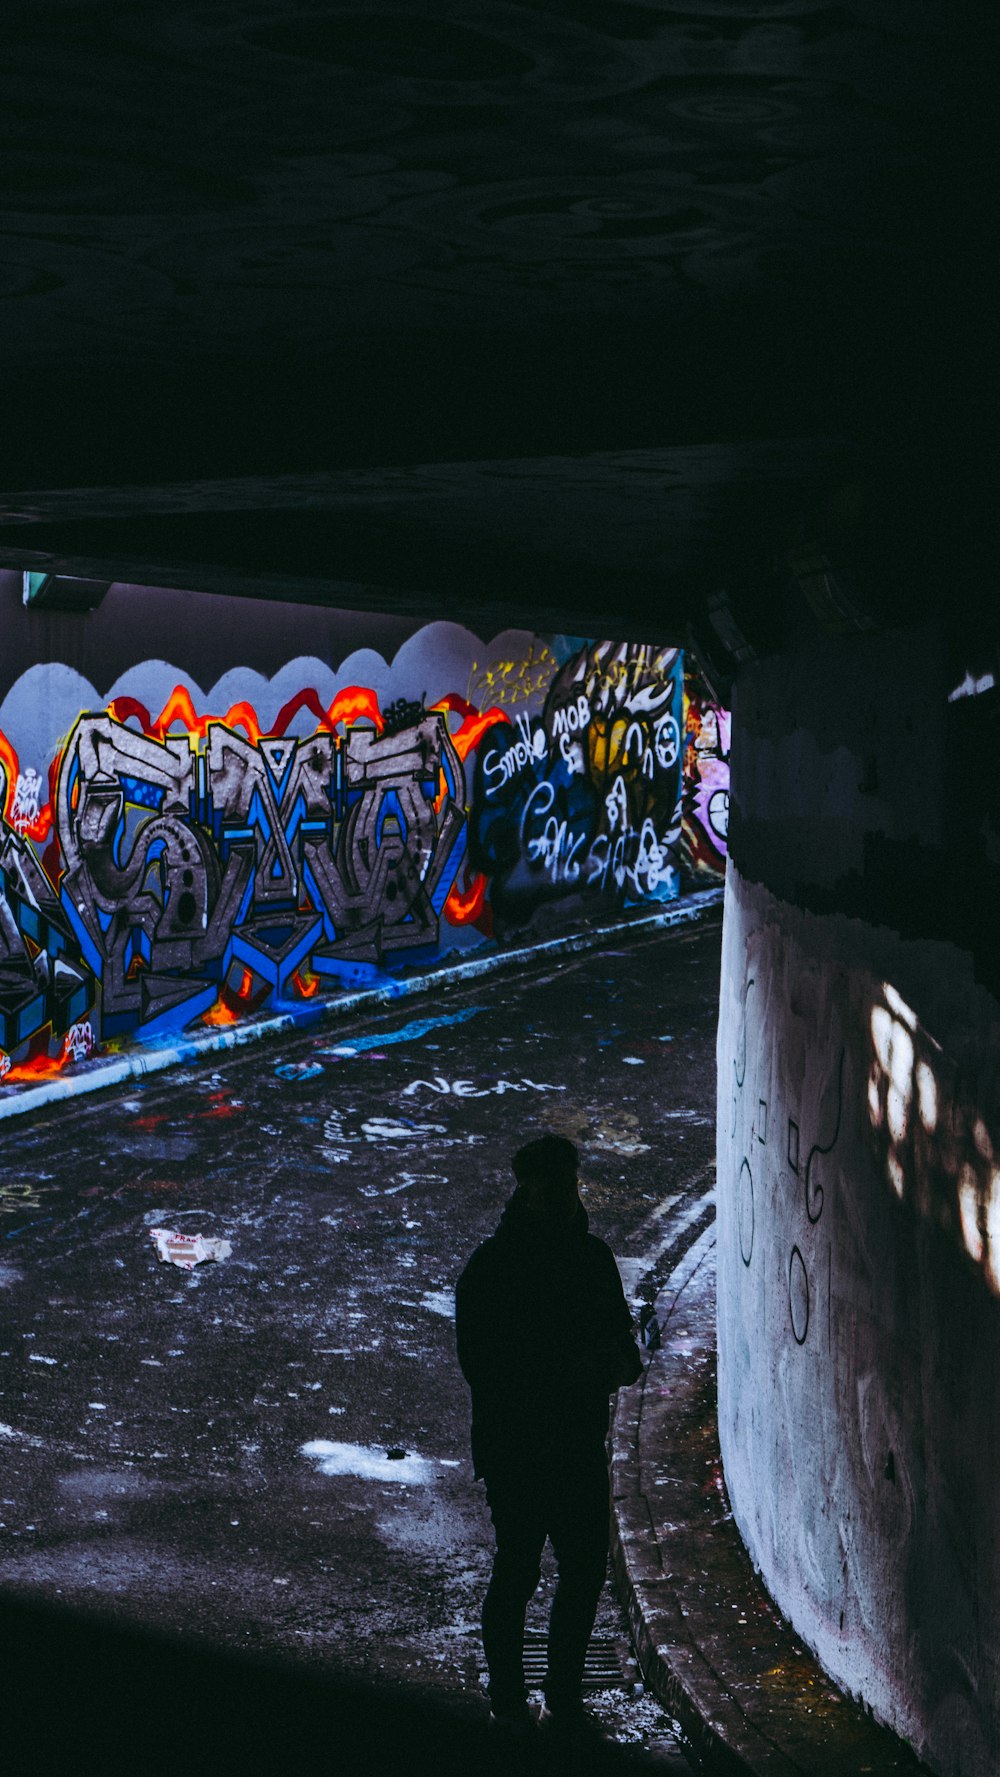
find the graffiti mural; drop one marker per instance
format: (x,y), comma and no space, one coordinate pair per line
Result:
(583,798)
(194,866)
(705,798)
(45,986)
(254,862)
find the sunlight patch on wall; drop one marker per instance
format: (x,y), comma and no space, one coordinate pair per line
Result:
(942,1159)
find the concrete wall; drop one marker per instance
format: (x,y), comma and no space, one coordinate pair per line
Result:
(859,1187)
(286,802)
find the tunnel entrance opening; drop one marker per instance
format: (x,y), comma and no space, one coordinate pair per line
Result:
(199,841)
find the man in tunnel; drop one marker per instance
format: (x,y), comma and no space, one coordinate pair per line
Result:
(544,1337)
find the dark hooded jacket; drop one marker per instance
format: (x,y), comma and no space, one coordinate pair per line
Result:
(544,1336)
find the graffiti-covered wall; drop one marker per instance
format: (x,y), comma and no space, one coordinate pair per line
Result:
(170,854)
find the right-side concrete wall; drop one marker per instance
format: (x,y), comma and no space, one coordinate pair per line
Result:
(859,1194)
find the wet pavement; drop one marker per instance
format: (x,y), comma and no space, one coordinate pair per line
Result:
(269,1453)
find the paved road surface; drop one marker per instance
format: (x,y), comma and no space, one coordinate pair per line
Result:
(214,1450)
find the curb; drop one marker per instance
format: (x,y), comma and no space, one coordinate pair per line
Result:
(669,1659)
(141,1061)
(750,1698)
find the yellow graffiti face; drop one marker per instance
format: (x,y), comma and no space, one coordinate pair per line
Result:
(619,754)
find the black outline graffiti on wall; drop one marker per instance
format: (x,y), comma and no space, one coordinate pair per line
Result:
(818,1148)
(739,1074)
(800,1338)
(740,1058)
(744,1198)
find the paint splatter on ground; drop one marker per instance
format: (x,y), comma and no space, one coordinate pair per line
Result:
(395,1467)
(408,1033)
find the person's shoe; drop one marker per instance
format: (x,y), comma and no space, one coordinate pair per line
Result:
(571,1725)
(515,1726)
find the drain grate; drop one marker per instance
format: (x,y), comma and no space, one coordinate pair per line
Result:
(603,1667)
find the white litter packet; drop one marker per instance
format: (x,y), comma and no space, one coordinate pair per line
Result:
(188,1250)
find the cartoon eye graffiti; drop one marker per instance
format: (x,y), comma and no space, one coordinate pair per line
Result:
(718,813)
(667,742)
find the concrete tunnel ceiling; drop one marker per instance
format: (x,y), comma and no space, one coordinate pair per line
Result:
(592,304)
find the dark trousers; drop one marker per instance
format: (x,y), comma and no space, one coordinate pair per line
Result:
(568,1503)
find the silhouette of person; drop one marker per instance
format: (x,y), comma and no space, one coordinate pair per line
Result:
(544,1337)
